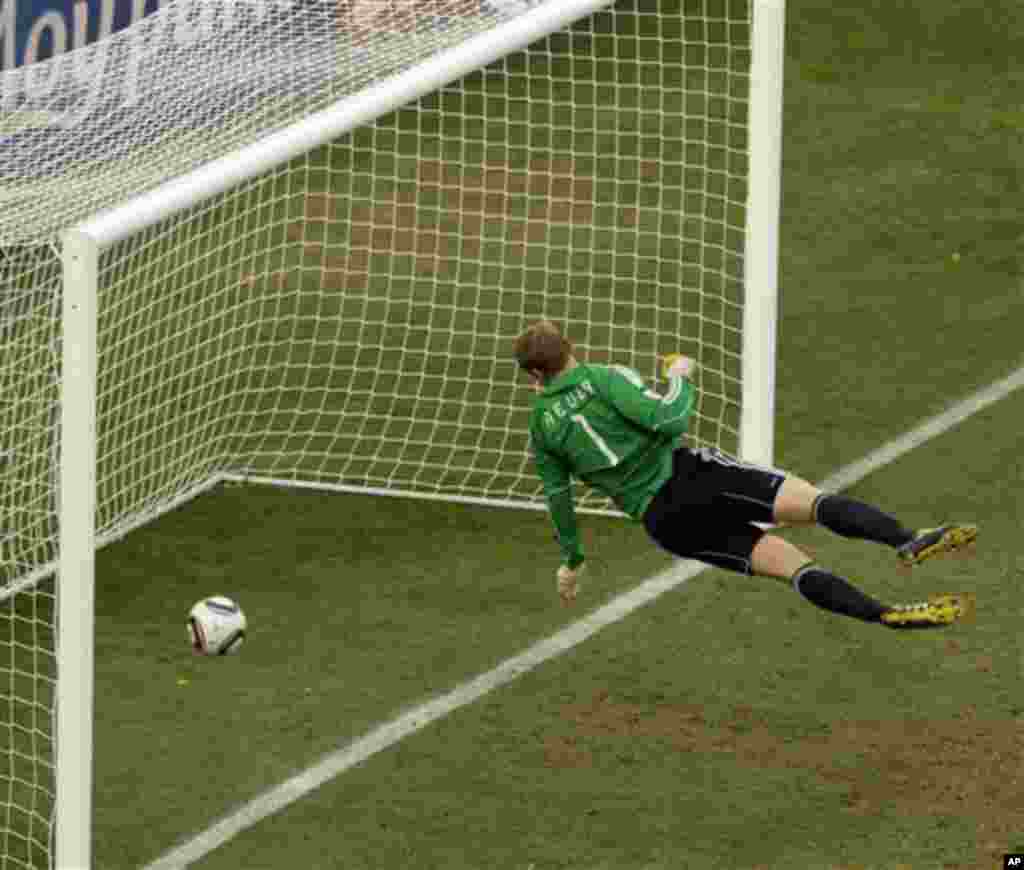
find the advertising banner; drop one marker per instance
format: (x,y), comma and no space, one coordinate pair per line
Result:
(32,30)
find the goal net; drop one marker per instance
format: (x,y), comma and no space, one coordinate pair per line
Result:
(429,178)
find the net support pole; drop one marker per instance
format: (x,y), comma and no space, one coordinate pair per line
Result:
(76,559)
(761,252)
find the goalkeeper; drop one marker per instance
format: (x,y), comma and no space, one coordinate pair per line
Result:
(602,425)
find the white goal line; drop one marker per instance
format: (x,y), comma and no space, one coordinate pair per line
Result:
(47,570)
(415,719)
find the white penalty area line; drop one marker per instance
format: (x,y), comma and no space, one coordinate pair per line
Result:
(419,717)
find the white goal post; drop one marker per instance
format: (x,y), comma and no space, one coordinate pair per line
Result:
(328,301)
(761,241)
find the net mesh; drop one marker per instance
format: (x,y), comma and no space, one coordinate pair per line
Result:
(29,367)
(346,320)
(194,81)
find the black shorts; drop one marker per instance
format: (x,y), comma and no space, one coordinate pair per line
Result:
(707,509)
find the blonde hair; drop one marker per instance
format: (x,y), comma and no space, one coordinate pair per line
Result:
(543,348)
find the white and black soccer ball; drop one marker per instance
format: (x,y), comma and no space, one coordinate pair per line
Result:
(216,626)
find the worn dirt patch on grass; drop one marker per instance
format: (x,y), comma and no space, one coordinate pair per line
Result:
(443,217)
(965,767)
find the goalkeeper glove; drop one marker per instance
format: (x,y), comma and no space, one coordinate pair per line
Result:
(675,365)
(568,583)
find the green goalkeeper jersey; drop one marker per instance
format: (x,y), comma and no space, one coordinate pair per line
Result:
(602,425)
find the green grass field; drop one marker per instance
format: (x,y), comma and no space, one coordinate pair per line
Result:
(728,725)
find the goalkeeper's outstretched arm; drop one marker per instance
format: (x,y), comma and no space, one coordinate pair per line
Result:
(667,415)
(558,494)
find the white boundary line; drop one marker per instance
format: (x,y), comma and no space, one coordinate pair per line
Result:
(419,717)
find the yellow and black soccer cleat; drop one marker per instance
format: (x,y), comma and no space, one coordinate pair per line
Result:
(933,542)
(937,612)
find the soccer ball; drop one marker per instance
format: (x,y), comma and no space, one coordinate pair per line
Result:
(216,626)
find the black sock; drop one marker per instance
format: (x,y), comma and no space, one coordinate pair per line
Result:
(855,519)
(830,592)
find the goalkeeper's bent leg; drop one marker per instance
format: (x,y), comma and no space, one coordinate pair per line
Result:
(776,557)
(833,593)
(855,519)
(800,503)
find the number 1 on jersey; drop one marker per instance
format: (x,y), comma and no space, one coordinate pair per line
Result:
(599,442)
